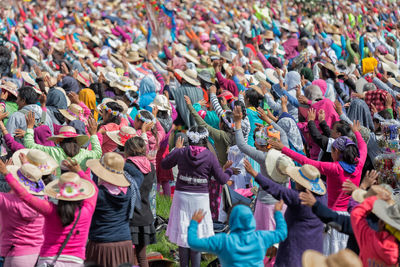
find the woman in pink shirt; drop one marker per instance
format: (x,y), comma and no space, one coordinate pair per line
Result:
(348,162)
(77,196)
(21,233)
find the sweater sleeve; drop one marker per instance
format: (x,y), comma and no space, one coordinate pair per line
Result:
(40,205)
(92,200)
(326,215)
(217,107)
(362,147)
(172,158)
(11,143)
(289,196)
(317,137)
(214,133)
(227,84)
(29,142)
(361,229)
(272,104)
(280,233)
(96,151)
(325,168)
(212,244)
(250,151)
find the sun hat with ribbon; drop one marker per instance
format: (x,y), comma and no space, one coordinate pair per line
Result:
(70,132)
(29,77)
(84,78)
(10,87)
(110,168)
(390,67)
(30,177)
(162,103)
(40,159)
(33,53)
(120,137)
(191,56)
(342,142)
(309,177)
(73,112)
(189,75)
(344,258)
(124,84)
(70,187)
(276,164)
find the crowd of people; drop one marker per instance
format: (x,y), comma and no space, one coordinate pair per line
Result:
(279,120)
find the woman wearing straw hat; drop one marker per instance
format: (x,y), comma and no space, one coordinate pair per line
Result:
(139,170)
(69,142)
(66,225)
(109,236)
(22,227)
(304,228)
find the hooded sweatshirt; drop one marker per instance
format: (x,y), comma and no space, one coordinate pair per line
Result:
(195,169)
(243,246)
(17,119)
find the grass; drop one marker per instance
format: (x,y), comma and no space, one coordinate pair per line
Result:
(163,246)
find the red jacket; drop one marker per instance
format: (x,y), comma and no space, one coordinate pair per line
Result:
(375,247)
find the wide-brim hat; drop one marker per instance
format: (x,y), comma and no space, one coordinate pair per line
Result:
(73,112)
(276,164)
(124,84)
(395,81)
(191,57)
(388,58)
(30,177)
(109,168)
(205,75)
(70,187)
(162,103)
(33,53)
(29,77)
(40,159)
(272,76)
(360,85)
(388,213)
(121,136)
(309,177)
(133,56)
(10,87)
(188,75)
(390,67)
(344,258)
(84,78)
(70,132)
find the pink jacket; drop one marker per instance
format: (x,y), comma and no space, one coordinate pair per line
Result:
(54,232)
(153,143)
(21,227)
(375,247)
(335,175)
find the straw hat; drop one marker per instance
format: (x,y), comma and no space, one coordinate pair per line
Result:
(259,76)
(257,66)
(43,161)
(30,177)
(269,35)
(387,212)
(123,105)
(84,78)
(111,76)
(191,56)
(360,85)
(162,103)
(121,136)
(124,84)
(205,75)
(73,112)
(59,46)
(10,87)
(344,258)
(29,77)
(189,75)
(360,194)
(276,164)
(388,58)
(395,81)
(109,168)
(133,56)
(227,56)
(33,53)
(309,177)
(70,132)
(272,76)
(390,67)
(70,187)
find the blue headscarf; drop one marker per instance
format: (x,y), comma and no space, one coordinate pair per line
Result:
(147,93)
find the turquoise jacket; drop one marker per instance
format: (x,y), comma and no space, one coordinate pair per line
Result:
(243,246)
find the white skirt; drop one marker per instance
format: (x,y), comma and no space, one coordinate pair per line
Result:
(184,204)
(335,241)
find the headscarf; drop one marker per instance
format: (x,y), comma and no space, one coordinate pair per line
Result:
(69,84)
(313,92)
(147,92)
(88,97)
(321,84)
(307,73)
(292,79)
(56,100)
(359,110)
(292,132)
(41,134)
(290,48)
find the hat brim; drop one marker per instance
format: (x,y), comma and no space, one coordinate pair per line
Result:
(114,137)
(293,172)
(313,258)
(80,139)
(106,175)
(162,108)
(272,170)
(13,170)
(394,82)
(359,195)
(191,58)
(68,116)
(380,210)
(49,160)
(13,92)
(27,78)
(187,78)
(204,78)
(88,190)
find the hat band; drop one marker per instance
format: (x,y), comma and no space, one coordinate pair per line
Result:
(69,134)
(41,166)
(78,116)
(33,186)
(124,137)
(108,168)
(86,80)
(315,187)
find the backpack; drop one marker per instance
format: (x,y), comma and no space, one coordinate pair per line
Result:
(37,122)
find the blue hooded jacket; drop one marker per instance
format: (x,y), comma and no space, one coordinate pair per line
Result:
(243,246)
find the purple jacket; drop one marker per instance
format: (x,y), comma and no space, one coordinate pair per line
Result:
(195,171)
(305,229)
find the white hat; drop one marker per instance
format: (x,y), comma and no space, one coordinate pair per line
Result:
(272,76)
(43,161)
(276,164)
(189,75)
(162,103)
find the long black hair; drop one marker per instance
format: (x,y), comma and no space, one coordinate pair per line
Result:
(253,97)
(200,130)
(66,211)
(113,118)
(70,147)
